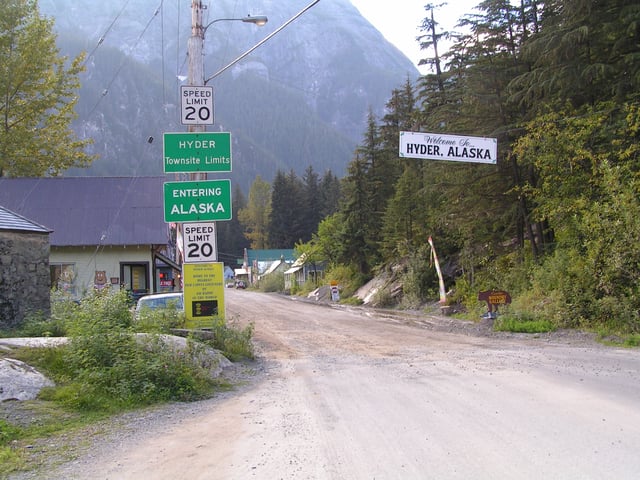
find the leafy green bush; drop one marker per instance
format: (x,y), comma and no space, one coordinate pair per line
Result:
(107,367)
(36,325)
(420,279)
(121,370)
(347,277)
(159,320)
(274,282)
(100,312)
(233,341)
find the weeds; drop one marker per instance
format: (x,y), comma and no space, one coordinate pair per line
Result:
(522,324)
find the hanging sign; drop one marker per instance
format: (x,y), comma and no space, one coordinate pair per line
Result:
(457,148)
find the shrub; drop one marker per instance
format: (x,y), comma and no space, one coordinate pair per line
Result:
(274,282)
(347,277)
(383,298)
(234,341)
(106,366)
(159,320)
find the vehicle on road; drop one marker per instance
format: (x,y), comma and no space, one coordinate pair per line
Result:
(155,301)
(241,284)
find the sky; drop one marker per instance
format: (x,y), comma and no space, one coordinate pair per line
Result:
(398,20)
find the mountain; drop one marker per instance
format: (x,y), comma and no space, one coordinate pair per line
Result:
(300,99)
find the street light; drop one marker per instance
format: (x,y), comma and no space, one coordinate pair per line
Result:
(259,20)
(196,41)
(195,47)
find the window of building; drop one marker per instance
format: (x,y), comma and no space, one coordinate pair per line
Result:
(135,277)
(63,277)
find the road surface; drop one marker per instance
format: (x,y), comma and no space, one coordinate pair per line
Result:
(347,394)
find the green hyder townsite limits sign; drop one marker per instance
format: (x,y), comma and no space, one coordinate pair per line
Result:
(197,152)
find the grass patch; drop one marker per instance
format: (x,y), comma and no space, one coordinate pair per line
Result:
(233,340)
(12,458)
(619,340)
(36,430)
(522,324)
(632,340)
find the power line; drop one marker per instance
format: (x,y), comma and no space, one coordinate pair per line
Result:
(104,35)
(164,98)
(126,58)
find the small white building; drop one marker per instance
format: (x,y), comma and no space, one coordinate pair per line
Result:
(108,232)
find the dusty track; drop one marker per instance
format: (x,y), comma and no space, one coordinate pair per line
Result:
(346,394)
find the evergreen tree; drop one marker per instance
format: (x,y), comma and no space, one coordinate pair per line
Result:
(37,96)
(405,216)
(255,217)
(356,245)
(287,211)
(378,179)
(586,52)
(430,40)
(330,194)
(312,204)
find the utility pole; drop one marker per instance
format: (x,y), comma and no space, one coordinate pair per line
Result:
(196,63)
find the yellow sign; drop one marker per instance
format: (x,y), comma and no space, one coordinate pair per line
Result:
(203,294)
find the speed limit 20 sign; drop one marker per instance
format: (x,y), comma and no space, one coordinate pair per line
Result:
(199,242)
(197,105)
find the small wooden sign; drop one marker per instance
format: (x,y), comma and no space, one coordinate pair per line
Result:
(494,299)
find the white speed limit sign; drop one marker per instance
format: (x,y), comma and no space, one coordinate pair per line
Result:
(197,105)
(199,240)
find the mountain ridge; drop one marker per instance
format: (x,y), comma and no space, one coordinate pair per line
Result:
(300,99)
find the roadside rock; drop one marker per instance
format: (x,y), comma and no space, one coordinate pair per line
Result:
(206,357)
(321,294)
(19,381)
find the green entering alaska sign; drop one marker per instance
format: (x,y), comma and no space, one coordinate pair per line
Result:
(197,152)
(201,201)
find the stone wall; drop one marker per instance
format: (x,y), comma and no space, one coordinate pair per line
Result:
(24,276)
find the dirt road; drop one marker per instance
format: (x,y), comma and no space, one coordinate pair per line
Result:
(348,395)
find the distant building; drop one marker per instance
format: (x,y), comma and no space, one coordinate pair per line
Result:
(258,262)
(24,268)
(303,271)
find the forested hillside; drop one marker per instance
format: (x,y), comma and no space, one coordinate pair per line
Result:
(556,221)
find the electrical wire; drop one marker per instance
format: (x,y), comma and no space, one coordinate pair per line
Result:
(104,35)
(178,67)
(262,42)
(125,59)
(164,97)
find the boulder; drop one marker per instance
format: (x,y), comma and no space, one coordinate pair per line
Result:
(19,381)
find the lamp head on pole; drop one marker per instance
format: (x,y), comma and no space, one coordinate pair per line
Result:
(259,20)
